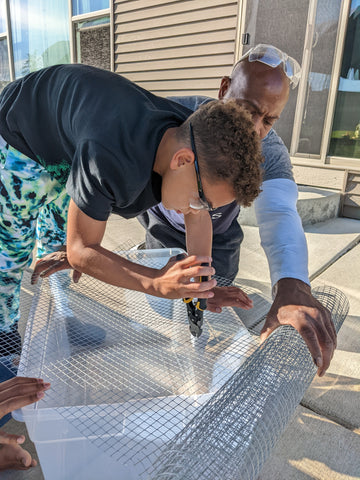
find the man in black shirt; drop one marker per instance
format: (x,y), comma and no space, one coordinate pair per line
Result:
(115,147)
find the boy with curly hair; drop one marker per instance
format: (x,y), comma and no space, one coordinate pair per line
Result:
(112,147)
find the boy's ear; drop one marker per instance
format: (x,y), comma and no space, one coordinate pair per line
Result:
(183,156)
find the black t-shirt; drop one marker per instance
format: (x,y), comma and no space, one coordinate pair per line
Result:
(92,130)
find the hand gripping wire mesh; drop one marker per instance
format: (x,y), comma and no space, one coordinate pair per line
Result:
(233,434)
(127,375)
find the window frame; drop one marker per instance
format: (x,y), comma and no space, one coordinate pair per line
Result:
(74,19)
(8,36)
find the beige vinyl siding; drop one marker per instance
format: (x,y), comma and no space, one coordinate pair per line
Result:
(180,47)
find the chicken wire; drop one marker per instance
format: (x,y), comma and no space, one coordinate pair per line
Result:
(127,375)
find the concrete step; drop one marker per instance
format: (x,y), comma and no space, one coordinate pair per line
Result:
(314,205)
(327,242)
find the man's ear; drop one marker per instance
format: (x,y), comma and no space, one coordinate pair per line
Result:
(224,87)
(182,157)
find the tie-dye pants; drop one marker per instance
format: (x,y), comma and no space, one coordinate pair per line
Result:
(33,207)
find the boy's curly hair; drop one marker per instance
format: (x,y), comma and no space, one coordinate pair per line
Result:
(228,147)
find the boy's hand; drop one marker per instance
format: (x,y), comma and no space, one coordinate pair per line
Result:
(51,263)
(176,279)
(228,297)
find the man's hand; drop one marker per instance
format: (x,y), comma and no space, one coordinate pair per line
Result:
(294,305)
(228,297)
(51,263)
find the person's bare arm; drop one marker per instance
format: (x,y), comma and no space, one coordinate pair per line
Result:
(86,255)
(51,263)
(198,228)
(199,240)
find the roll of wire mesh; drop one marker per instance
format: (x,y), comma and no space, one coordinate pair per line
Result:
(233,434)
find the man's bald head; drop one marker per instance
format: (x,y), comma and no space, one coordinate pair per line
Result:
(263,89)
(263,76)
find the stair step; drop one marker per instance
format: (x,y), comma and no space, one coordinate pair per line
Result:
(314,205)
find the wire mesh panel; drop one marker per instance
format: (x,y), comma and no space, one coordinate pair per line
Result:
(125,371)
(127,375)
(232,435)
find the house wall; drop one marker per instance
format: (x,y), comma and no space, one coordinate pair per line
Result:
(184,47)
(175,48)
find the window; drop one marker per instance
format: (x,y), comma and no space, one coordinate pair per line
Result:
(40,32)
(93,42)
(4,63)
(2,17)
(86,6)
(91,33)
(319,76)
(4,53)
(345,137)
(268,22)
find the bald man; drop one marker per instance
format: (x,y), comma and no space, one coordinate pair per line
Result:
(261,80)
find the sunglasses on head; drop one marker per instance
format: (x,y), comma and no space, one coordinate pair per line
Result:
(274,57)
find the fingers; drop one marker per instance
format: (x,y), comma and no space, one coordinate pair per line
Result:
(193,261)
(40,269)
(196,266)
(20,391)
(271,324)
(36,273)
(180,279)
(229,297)
(199,289)
(244,300)
(213,308)
(43,271)
(192,269)
(309,335)
(319,334)
(315,327)
(329,325)
(24,459)
(196,259)
(11,439)
(192,273)
(295,305)
(49,264)
(15,457)
(76,276)
(326,337)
